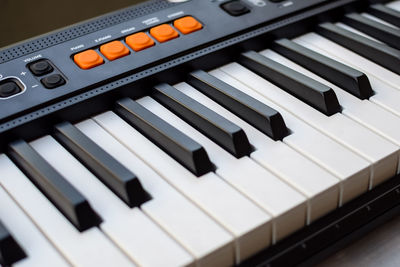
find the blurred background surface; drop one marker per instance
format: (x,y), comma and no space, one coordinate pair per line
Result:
(24,19)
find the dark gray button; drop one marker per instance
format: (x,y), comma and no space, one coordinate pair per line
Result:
(9,88)
(235,8)
(41,67)
(53,81)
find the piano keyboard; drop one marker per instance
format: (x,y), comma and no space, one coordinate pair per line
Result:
(218,167)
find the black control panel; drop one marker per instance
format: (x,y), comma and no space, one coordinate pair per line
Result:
(54,72)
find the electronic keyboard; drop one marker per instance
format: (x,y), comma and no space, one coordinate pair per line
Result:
(201,133)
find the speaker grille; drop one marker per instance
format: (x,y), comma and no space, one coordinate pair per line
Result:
(82,29)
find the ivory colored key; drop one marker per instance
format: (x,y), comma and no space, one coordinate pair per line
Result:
(248,223)
(39,251)
(129,229)
(380,152)
(351,58)
(352,171)
(385,95)
(395,5)
(186,223)
(88,248)
(319,186)
(370,115)
(289,213)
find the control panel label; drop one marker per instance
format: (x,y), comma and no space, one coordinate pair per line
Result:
(128,30)
(98,40)
(151,21)
(32,58)
(176,14)
(77,47)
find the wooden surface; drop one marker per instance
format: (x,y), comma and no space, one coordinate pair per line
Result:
(379,248)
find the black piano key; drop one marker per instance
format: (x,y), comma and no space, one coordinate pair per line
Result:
(178,145)
(225,133)
(112,173)
(382,32)
(381,54)
(58,190)
(385,13)
(349,79)
(10,250)
(314,93)
(259,115)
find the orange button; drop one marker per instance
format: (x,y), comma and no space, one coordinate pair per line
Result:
(187,25)
(88,59)
(114,50)
(163,33)
(139,41)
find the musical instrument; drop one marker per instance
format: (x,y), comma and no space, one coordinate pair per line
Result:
(201,133)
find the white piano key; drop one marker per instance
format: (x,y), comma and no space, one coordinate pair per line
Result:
(320,187)
(395,5)
(351,169)
(385,95)
(351,29)
(369,16)
(289,213)
(370,115)
(380,152)
(88,248)
(39,251)
(129,228)
(362,64)
(248,223)
(175,214)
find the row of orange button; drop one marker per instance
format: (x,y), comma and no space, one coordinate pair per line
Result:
(138,41)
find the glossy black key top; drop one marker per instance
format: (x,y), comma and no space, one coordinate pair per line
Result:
(259,115)
(57,189)
(181,147)
(349,79)
(385,13)
(382,32)
(10,251)
(379,53)
(314,93)
(112,173)
(225,133)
